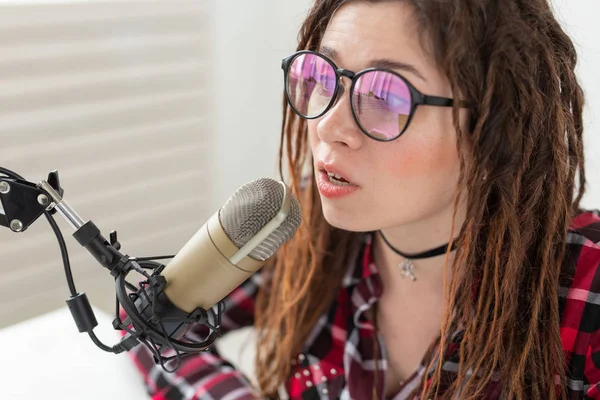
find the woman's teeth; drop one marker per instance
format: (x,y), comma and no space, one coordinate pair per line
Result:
(337,179)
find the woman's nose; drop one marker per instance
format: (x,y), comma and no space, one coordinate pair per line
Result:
(338,126)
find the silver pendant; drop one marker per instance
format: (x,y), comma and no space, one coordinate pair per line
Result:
(407,269)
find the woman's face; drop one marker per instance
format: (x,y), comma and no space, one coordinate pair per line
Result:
(410,179)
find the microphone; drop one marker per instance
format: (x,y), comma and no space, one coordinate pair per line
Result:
(232,245)
(235,242)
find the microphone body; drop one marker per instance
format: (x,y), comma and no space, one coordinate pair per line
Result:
(201,274)
(232,245)
(198,277)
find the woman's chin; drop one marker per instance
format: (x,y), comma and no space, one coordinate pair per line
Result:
(348,221)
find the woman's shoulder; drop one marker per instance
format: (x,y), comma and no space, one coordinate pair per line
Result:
(580,278)
(587,224)
(579,299)
(583,241)
(583,245)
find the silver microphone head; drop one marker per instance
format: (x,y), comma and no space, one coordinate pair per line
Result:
(250,208)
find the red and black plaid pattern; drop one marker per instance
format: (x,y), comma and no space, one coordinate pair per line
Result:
(340,358)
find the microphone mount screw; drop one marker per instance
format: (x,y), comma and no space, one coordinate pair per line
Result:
(16,225)
(4,187)
(43,199)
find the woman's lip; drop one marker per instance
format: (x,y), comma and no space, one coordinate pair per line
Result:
(330,168)
(332,190)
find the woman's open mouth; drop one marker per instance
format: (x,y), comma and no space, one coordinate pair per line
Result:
(337,179)
(332,185)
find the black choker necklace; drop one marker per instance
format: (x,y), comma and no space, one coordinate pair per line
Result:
(407,265)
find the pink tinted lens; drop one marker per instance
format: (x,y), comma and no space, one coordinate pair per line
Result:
(382,103)
(310,84)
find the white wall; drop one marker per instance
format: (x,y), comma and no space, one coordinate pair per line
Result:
(253,36)
(251,39)
(579,19)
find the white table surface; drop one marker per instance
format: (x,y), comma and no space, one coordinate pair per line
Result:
(48,358)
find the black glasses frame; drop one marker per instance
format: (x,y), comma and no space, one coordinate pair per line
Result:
(417,98)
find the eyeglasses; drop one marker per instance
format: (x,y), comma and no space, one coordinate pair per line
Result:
(383,102)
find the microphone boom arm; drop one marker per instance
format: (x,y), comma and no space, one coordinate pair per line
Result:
(151,318)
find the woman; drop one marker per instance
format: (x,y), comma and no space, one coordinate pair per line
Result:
(443,253)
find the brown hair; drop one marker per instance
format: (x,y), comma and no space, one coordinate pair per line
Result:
(514,63)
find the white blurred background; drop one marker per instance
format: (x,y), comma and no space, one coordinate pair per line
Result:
(154,112)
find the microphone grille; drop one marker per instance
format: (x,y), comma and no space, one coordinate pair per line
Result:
(250,208)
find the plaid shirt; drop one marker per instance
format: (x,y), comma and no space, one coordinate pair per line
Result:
(339,360)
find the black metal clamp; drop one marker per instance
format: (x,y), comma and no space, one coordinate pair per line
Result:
(24,202)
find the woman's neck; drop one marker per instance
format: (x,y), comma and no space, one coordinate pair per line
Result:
(416,237)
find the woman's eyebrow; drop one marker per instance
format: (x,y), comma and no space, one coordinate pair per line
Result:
(379,63)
